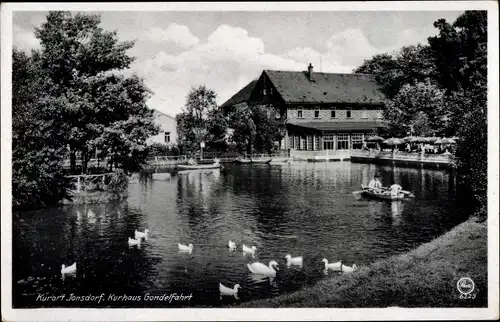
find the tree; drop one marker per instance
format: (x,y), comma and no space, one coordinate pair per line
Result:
(201,121)
(70,94)
(255,129)
(414,105)
(37,177)
(392,72)
(81,60)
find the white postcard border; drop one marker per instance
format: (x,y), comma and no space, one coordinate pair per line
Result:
(253,314)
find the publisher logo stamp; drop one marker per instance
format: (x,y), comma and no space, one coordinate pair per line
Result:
(466,286)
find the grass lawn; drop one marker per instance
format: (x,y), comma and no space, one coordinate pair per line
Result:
(424,277)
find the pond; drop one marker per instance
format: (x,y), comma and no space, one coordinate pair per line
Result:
(306,209)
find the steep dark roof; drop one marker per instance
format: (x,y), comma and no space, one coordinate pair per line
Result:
(242,96)
(295,87)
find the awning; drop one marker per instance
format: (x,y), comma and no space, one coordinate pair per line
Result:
(339,126)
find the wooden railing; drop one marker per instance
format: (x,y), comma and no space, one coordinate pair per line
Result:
(90,182)
(405,156)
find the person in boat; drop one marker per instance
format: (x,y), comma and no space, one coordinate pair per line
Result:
(375,185)
(395,190)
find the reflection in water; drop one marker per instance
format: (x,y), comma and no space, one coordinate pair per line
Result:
(303,209)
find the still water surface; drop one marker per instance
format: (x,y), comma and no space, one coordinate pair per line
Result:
(306,209)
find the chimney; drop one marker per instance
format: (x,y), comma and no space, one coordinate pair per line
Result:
(310,72)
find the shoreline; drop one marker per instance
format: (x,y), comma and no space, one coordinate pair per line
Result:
(426,276)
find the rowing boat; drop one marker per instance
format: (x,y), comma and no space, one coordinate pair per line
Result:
(258,161)
(242,160)
(262,161)
(386,195)
(198,166)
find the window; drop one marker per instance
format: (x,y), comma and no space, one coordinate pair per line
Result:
(357,140)
(264,91)
(297,143)
(277,115)
(333,114)
(290,142)
(364,113)
(343,141)
(348,113)
(316,142)
(299,114)
(167,137)
(271,91)
(328,142)
(316,114)
(302,142)
(310,142)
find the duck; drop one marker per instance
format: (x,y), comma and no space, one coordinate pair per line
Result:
(68,270)
(293,260)
(333,266)
(132,242)
(349,269)
(184,248)
(139,234)
(261,269)
(224,290)
(249,250)
(231,245)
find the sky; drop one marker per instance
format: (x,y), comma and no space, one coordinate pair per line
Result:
(176,51)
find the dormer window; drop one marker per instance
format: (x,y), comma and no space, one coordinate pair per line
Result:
(316,114)
(333,113)
(299,114)
(348,113)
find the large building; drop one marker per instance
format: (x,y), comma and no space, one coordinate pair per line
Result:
(168,129)
(322,111)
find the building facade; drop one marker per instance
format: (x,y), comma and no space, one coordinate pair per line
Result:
(321,111)
(168,129)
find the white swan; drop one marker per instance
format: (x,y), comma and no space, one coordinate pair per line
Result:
(132,242)
(261,269)
(249,250)
(293,260)
(224,290)
(232,245)
(333,266)
(68,270)
(349,269)
(184,248)
(139,234)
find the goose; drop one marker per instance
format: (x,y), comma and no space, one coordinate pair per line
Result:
(184,248)
(249,250)
(139,234)
(69,269)
(261,269)
(349,269)
(333,266)
(224,290)
(232,245)
(293,260)
(132,242)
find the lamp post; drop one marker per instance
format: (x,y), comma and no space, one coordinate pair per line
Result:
(202,145)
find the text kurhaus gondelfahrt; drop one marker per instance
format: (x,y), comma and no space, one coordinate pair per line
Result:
(113,297)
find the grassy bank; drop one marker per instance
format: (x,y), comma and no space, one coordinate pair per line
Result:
(424,277)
